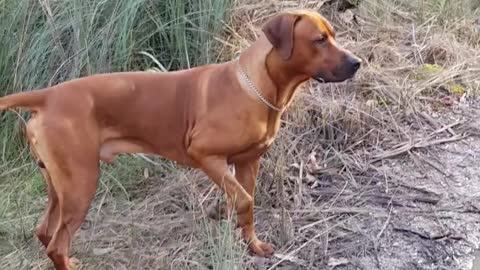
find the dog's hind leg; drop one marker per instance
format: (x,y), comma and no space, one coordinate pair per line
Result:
(75,189)
(45,229)
(71,161)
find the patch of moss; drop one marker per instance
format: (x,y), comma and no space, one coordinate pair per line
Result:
(431,68)
(426,70)
(456,89)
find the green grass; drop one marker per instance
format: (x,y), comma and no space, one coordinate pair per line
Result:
(47,42)
(222,245)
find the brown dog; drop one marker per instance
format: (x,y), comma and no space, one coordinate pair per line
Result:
(206,117)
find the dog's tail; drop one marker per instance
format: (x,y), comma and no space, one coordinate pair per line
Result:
(32,100)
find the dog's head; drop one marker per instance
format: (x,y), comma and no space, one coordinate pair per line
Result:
(306,41)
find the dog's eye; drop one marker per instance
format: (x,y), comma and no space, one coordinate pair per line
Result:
(320,40)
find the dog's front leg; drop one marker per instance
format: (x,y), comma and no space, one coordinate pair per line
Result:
(246,173)
(241,199)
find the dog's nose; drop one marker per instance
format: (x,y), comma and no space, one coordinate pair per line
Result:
(354,63)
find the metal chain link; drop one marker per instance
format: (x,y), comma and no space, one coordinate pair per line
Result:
(255,90)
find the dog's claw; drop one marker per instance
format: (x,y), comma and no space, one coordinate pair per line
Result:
(261,249)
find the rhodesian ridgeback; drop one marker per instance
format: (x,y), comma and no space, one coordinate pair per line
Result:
(207,117)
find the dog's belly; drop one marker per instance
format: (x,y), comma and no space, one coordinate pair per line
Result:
(112,147)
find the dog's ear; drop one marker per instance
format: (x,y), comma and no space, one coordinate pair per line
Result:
(279,31)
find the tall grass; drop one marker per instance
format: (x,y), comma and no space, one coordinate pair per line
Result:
(46,42)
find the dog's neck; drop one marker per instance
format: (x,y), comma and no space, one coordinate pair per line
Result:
(286,78)
(271,74)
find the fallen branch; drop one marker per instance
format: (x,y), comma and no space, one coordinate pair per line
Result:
(431,163)
(415,144)
(434,124)
(425,236)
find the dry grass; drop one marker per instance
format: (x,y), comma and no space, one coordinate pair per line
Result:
(323,198)
(322,177)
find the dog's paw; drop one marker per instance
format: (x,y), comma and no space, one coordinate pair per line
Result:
(261,249)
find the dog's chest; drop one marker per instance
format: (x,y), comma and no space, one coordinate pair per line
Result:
(267,138)
(266,142)
(255,150)
(258,141)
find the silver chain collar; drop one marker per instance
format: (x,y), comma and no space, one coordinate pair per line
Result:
(254,89)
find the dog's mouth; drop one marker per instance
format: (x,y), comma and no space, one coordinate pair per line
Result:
(334,78)
(319,79)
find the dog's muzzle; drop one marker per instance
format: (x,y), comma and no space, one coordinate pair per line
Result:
(346,71)
(353,64)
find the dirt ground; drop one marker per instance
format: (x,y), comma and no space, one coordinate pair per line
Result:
(443,233)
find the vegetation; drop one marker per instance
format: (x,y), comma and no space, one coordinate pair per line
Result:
(149,214)
(46,42)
